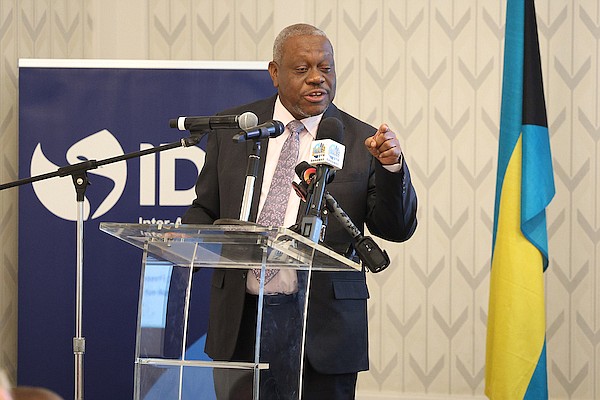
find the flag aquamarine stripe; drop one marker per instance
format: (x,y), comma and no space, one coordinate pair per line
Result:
(511,111)
(538,386)
(537,186)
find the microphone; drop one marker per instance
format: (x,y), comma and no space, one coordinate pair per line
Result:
(307,173)
(246,120)
(270,129)
(327,155)
(371,255)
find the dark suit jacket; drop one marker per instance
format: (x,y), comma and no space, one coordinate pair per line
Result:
(386,202)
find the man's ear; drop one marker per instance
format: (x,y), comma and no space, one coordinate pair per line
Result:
(274,72)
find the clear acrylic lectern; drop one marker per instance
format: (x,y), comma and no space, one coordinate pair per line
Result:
(177,265)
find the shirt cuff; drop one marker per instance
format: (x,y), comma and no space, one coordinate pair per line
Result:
(395,167)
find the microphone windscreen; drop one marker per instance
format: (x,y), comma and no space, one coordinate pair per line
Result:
(331,128)
(248,120)
(278,128)
(305,171)
(300,168)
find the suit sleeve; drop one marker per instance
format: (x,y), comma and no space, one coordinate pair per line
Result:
(392,203)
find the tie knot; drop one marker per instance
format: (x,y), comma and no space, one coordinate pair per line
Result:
(295,126)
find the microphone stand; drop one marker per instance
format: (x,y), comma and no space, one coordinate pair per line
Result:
(251,175)
(312,225)
(246,206)
(78,173)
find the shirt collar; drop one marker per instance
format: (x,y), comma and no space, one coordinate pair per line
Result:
(280,113)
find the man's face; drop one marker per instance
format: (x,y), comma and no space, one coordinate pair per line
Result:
(305,76)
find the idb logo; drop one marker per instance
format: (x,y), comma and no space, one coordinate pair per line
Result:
(58,194)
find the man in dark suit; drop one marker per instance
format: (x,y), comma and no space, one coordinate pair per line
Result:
(373,187)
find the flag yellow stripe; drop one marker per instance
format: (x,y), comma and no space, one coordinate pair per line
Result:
(516,320)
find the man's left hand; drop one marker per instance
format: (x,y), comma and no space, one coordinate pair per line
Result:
(384,146)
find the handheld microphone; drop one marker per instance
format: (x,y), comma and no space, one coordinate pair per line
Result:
(246,120)
(306,173)
(304,189)
(371,255)
(270,129)
(327,155)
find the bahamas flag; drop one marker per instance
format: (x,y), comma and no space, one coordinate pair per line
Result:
(516,331)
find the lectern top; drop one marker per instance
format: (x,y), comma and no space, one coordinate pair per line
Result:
(229,246)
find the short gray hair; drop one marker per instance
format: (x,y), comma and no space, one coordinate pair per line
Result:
(293,31)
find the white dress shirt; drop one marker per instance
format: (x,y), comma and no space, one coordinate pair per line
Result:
(286,280)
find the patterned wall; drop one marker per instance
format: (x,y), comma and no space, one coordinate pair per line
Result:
(432,70)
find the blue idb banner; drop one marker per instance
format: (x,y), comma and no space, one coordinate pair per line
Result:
(70,112)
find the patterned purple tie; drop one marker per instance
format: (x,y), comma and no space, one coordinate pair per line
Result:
(273,211)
